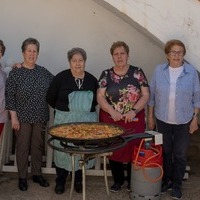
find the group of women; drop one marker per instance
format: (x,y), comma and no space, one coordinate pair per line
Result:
(122,92)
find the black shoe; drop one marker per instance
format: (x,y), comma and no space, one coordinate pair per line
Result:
(59,189)
(116,187)
(176,193)
(40,180)
(23,186)
(78,186)
(166,185)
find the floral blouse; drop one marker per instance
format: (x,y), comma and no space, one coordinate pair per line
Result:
(122,92)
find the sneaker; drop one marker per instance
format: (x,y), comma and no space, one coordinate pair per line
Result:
(176,193)
(128,188)
(116,187)
(166,185)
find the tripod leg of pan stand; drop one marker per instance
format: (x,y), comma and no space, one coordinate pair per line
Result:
(105,174)
(73,176)
(84,178)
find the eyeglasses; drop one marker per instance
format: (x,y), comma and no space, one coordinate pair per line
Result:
(173,53)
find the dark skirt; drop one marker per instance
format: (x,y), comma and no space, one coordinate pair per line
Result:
(1,128)
(125,153)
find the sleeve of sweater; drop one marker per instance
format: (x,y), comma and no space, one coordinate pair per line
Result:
(52,92)
(10,92)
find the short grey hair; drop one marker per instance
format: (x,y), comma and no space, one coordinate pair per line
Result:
(76,50)
(30,41)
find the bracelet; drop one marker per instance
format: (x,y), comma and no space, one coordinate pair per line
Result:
(135,110)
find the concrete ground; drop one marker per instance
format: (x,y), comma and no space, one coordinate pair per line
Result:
(95,187)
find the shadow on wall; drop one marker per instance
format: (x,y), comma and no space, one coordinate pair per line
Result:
(197,70)
(193,154)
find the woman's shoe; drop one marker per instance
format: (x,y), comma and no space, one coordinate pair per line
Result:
(128,188)
(40,180)
(116,187)
(23,186)
(78,187)
(59,189)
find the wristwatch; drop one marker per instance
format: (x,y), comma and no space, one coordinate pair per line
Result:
(196,115)
(135,110)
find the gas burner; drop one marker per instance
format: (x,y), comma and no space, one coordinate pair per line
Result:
(79,146)
(94,148)
(84,148)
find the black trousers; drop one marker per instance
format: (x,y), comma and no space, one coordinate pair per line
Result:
(176,140)
(117,169)
(62,176)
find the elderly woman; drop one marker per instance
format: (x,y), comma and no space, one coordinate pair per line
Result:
(3,112)
(175,102)
(72,94)
(122,95)
(26,89)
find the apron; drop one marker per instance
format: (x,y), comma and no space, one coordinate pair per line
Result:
(79,105)
(125,153)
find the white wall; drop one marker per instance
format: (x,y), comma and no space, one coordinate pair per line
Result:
(167,19)
(62,24)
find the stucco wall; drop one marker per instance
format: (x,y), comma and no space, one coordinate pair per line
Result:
(62,24)
(166,20)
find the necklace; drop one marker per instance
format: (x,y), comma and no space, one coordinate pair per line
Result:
(79,82)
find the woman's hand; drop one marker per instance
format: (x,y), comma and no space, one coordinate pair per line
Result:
(150,118)
(129,116)
(15,124)
(115,115)
(14,120)
(103,103)
(151,123)
(17,65)
(193,125)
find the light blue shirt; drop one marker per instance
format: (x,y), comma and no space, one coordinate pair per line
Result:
(187,93)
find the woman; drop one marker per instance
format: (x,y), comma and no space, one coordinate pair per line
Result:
(175,101)
(72,94)
(26,89)
(3,112)
(122,95)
